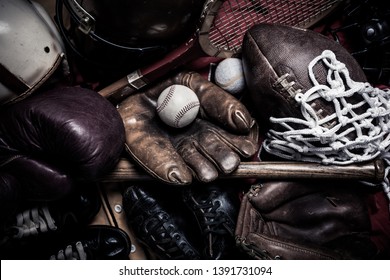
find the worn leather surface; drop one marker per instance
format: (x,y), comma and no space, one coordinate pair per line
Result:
(161,222)
(214,143)
(112,213)
(215,207)
(52,138)
(100,242)
(269,51)
(292,220)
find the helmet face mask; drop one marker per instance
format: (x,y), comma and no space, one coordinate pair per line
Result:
(141,23)
(115,37)
(366,27)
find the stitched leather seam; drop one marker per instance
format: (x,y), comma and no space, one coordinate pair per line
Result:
(184,110)
(166,99)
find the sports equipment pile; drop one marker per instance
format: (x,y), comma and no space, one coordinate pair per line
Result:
(210,151)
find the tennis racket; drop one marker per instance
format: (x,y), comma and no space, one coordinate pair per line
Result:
(222,26)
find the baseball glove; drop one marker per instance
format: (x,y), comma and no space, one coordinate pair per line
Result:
(291,220)
(222,135)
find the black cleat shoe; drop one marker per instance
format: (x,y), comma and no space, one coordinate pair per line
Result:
(216,210)
(46,220)
(162,222)
(97,242)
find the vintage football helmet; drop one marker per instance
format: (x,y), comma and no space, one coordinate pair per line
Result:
(113,36)
(31,48)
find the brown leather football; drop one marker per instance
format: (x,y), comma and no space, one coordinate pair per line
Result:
(312,97)
(271,51)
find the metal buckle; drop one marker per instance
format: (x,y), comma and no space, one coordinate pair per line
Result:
(87,22)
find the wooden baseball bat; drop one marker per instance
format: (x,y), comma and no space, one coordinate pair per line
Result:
(373,171)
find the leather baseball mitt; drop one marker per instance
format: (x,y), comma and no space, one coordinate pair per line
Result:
(291,220)
(222,135)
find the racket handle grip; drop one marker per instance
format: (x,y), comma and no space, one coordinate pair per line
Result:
(372,171)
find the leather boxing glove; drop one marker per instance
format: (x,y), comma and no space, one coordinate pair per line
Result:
(52,138)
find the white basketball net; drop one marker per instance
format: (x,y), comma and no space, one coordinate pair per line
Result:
(355,132)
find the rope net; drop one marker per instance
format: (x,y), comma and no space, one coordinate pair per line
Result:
(357,130)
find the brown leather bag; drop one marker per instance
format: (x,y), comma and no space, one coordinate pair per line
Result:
(291,220)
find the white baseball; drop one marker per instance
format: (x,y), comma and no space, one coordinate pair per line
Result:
(177,106)
(229,75)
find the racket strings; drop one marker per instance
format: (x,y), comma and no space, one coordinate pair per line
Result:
(232,21)
(235,17)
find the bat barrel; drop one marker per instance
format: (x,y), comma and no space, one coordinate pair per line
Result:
(372,171)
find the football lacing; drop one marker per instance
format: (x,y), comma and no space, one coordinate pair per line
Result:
(284,84)
(362,123)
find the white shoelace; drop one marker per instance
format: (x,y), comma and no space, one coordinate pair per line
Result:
(33,221)
(71,253)
(328,140)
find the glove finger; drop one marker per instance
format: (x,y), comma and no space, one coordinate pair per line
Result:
(202,167)
(244,145)
(224,149)
(218,152)
(216,104)
(272,195)
(149,145)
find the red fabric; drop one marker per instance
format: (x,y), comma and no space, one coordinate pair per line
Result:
(378,205)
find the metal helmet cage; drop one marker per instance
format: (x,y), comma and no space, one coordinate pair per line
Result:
(365,31)
(102,48)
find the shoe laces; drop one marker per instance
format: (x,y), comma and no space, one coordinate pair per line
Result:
(165,236)
(76,252)
(32,222)
(213,223)
(213,220)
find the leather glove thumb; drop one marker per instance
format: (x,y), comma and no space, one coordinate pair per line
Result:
(223,132)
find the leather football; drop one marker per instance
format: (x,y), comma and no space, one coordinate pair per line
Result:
(275,61)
